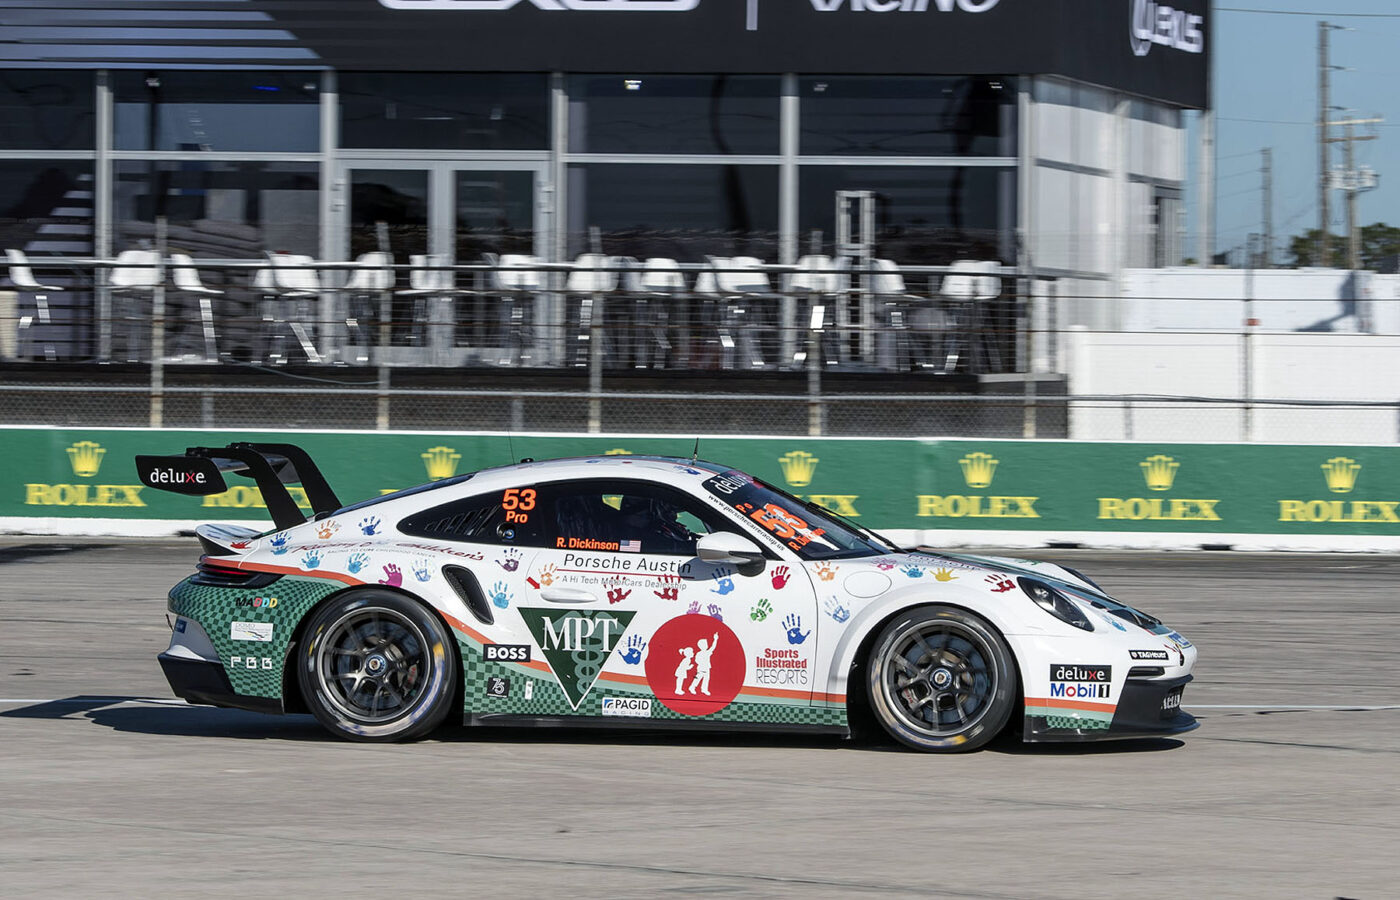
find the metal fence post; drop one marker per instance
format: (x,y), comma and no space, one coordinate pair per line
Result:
(158,330)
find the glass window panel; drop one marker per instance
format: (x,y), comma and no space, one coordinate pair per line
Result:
(220,210)
(673,114)
(223,110)
(46,110)
(914,116)
(398,198)
(682,212)
(443,111)
(495,213)
(46,206)
(923,215)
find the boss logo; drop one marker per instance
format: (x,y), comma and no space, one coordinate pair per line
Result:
(506,652)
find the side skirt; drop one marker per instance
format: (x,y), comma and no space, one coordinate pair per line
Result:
(622,723)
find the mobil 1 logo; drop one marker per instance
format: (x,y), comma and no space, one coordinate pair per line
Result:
(1079,682)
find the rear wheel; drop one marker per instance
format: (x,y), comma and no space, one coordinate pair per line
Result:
(375,667)
(941,679)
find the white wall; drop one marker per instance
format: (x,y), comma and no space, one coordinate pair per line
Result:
(1283,366)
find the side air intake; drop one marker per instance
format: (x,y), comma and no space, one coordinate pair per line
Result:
(467,588)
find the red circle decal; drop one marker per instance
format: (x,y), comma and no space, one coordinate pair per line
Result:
(695,665)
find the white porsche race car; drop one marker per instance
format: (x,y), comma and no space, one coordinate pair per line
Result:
(645,592)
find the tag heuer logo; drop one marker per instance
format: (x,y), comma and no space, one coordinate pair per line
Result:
(576,644)
(86,457)
(798,467)
(1159,471)
(978,469)
(441,462)
(1340,473)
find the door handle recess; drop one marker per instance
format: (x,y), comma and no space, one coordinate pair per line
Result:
(567,595)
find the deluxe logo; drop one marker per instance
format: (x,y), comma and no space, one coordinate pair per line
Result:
(636,707)
(86,458)
(1159,472)
(798,467)
(576,644)
(1340,473)
(441,462)
(506,652)
(1157,23)
(575,5)
(978,470)
(1067,672)
(171,476)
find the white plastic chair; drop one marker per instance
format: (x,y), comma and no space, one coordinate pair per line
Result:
(434,293)
(654,287)
(293,281)
(187,281)
(22,277)
(135,274)
(518,279)
(592,278)
(747,297)
(371,279)
(967,287)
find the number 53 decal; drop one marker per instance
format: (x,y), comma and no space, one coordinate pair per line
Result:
(517,502)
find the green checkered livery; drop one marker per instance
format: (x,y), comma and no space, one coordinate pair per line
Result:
(217,608)
(547,697)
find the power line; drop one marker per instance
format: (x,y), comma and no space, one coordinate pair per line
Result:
(1286,12)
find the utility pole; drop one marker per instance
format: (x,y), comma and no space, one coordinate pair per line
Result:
(1268,172)
(1323,163)
(1353,180)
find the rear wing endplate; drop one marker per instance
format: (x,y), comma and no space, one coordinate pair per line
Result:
(272,466)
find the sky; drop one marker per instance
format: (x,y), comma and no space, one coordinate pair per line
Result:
(1265,88)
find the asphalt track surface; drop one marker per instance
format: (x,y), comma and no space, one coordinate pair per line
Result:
(1291,787)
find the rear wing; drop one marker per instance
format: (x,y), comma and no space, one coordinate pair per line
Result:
(272,466)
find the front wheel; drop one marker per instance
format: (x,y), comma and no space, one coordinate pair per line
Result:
(941,679)
(375,668)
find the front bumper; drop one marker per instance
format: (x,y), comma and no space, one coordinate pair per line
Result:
(1144,710)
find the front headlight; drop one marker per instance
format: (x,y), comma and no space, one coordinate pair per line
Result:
(1055,603)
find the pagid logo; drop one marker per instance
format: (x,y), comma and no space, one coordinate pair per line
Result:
(1152,23)
(798,467)
(441,462)
(86,458)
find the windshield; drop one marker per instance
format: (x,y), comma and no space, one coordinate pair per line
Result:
(811,531)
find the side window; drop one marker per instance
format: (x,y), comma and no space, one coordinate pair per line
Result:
(508,517)
(629,516)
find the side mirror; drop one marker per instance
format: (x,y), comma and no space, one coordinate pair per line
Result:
(726,547)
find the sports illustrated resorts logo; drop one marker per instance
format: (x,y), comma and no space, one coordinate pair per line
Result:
(441,462)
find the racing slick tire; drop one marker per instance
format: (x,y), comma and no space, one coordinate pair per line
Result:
(940,679)
(374,666)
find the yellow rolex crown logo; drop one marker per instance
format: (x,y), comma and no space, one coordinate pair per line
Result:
(617,452)
(441,462)
(977,469)
(86,457)
(798,467)
(1159,471)
(1340,473)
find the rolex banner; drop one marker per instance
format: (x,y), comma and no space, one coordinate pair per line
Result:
(928,485)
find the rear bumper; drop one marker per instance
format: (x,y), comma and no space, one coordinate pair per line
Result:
(206,683)
(1142,712)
